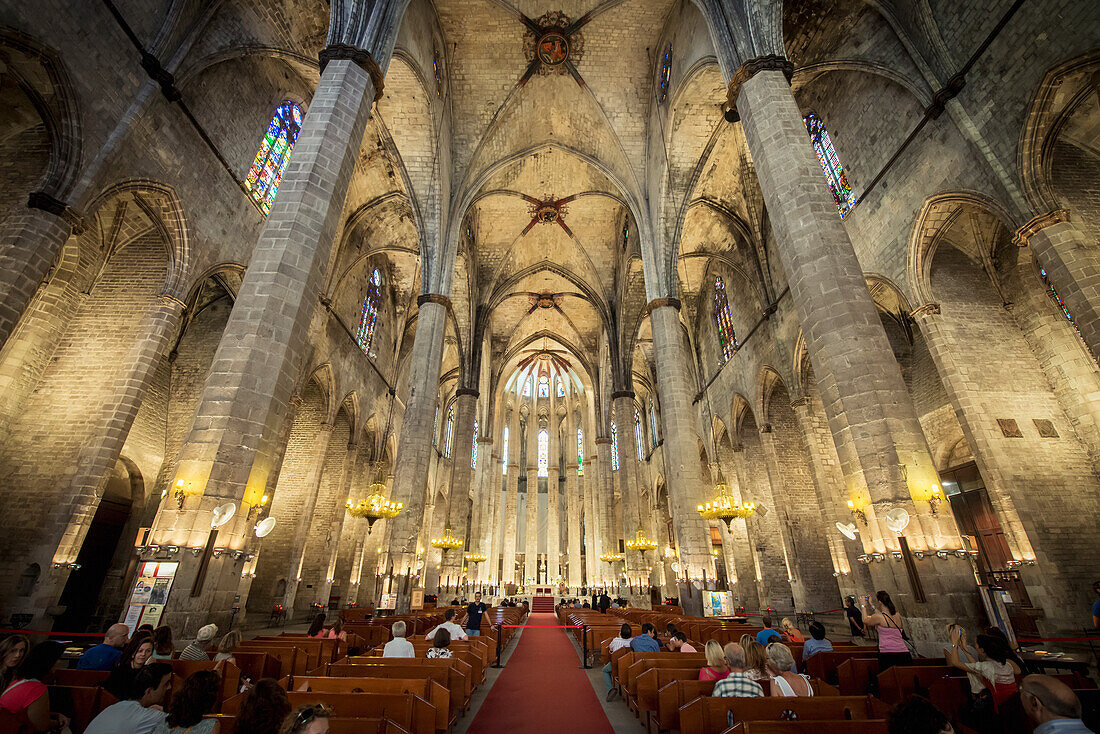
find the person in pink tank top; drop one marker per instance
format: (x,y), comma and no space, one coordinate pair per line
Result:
(892,648)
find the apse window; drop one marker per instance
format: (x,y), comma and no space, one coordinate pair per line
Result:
(723,322)
(449,432)
(830,164)
(580,452)
(544,452)
(473,451)
(368,318)
(267,169)
(638,439)
(544,386)
(666,74)
(614,447)
(504,453)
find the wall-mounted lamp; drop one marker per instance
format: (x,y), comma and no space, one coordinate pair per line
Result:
(935,497)
(863,558)
(219,551)
(196,550)
(896,555)
(173,549)
(878,557)
(857,512)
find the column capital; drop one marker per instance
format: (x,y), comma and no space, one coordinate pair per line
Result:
(467,391)
(750,68)
(170,300)
(51,205)
(661,303)
(1022,236)
(622,394)
(484,439)
(602,439)
(800,402)
(433,298)
(357,56)
(327,427)
(927,309)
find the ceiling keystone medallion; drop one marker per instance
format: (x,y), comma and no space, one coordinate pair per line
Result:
(553,44)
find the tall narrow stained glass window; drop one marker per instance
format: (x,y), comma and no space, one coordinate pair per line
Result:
(666,74)
(449,432)
(544,386)
(544,452)
(274,153)
(639,440)
(368,319)
(652,423)
(561,387)
(504,453)
(527,385)
(727,337)
(580,452)
(473,452)
(830,164)
(614,447)
(1057,298)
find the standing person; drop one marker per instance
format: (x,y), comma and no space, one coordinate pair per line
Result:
(140,711)
(104,655)
(29,697)
(1096,605)
(736,683)
(792,633)
(716,668)
(196,699)
(647,641)
(163,647)
(618,643)
(135,655)
(197,649)
(311,719)
(855,617)
(13,650)
(264,708)
(1052,705)
(441,644)
(605,602)
(473,616)
(317,626)
(892,649)
(398,647)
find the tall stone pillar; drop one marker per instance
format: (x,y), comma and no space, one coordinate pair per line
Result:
(510,513)
(685,480)
(604,497)
(531,534)
(336,528)
(30,243)
(486,507)
(414,450)
(1072,267)
(553,500)
(882,450)
(573,506)
(461,475)
(312,485)
(622,406)
(591,521)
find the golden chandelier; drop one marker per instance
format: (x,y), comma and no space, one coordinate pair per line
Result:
(447,542)
(640,542)
(725,507)
(374,506)
(474,557)
(611,557)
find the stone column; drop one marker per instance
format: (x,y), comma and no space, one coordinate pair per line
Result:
(553,499)
(485,508)
(415,446)
(622,407)
(881,447)
(461,475)
(685,481)
(1072,267)
(531,535)
(573,507)
(592,543)
(604,500)
(336,529)
(312,485)
(30,243)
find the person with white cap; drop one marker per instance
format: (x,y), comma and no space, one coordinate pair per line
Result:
(197,649)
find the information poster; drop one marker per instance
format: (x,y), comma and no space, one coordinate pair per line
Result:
(717,604)
(150,594)
(389,601)
(417,601)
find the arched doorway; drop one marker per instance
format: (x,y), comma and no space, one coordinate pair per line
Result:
(81,594)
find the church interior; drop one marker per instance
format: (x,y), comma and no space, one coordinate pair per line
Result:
(722,308)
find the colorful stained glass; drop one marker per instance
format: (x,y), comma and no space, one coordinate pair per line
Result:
(561,387)
(473,452)
(504,453)
(580,452)
(544,452)
(652,423)
(368,319)
(830,164)
(527,386)
(449,433)
(666,73)
(544,386)
(638,439)
(614,447)
(267,167)
(1057,298)
(727,337)
(438,73)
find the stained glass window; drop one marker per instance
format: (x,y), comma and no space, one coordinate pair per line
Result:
(504,453)
(473,452)
(561,387)
(580,452)
(274,153)
(614,447)
(666,73)
(652,423)
(544,386)
(1057,298)
(527,386)
(437,71)
(830,164)
(727,338)
(368,319)
(449,432)
(544,452)
(639,441)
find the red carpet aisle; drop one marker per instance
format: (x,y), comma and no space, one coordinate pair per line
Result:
(542,689)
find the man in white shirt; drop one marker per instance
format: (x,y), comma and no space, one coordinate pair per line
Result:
(457,633)
(398,647)
(142,713)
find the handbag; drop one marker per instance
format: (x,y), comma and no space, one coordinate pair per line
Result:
(904,637)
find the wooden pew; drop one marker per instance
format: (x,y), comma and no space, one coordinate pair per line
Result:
(79,678)
(287,659)
(407,710)
(230,673)
(868,726)
(257,665)
(709,715)
(649,661)
(855,676)
(898,682)
(629,657)
(80,703)
(327,650)
(458,674)
(430,690)
(307,657)
(670,697)
(650,682)
(472,656)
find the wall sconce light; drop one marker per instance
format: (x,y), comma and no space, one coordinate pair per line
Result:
(250,556)
(196,550)
(878,557)
(238,555)
(896,555)
(919,555)
(1013,563)
(941,554)
(153,548)
(935,497)
(173,549)
(863,558)
(219,551)
(961,553)
(857,512)
(181,487)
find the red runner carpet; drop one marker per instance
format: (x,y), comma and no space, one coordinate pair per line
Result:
(542,689)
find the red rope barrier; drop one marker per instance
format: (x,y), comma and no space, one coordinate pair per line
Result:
(1058,639)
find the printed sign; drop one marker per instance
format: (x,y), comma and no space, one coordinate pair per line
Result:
(417,599)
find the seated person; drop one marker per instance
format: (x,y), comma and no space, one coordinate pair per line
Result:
(817,642)
(457,633)
(618,643)
(309,719)
(197,649)
(736,683)
(29,697)
(993,671)
(756,659)
(792,633)
(716,668)
(765,635)
(141,710)
(104,655)
(196,698)
(678,642)
(398,647)
(134,656)
(647,641)
(784,682)
(441,644)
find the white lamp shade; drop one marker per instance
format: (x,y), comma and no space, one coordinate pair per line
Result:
(223,514)
(897,519)
(265,526)
(848,530)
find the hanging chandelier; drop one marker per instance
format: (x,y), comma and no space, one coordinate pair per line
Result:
(447,542)
(474,557)
(640,542)
(374,506)
(611,557)
(725,507)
